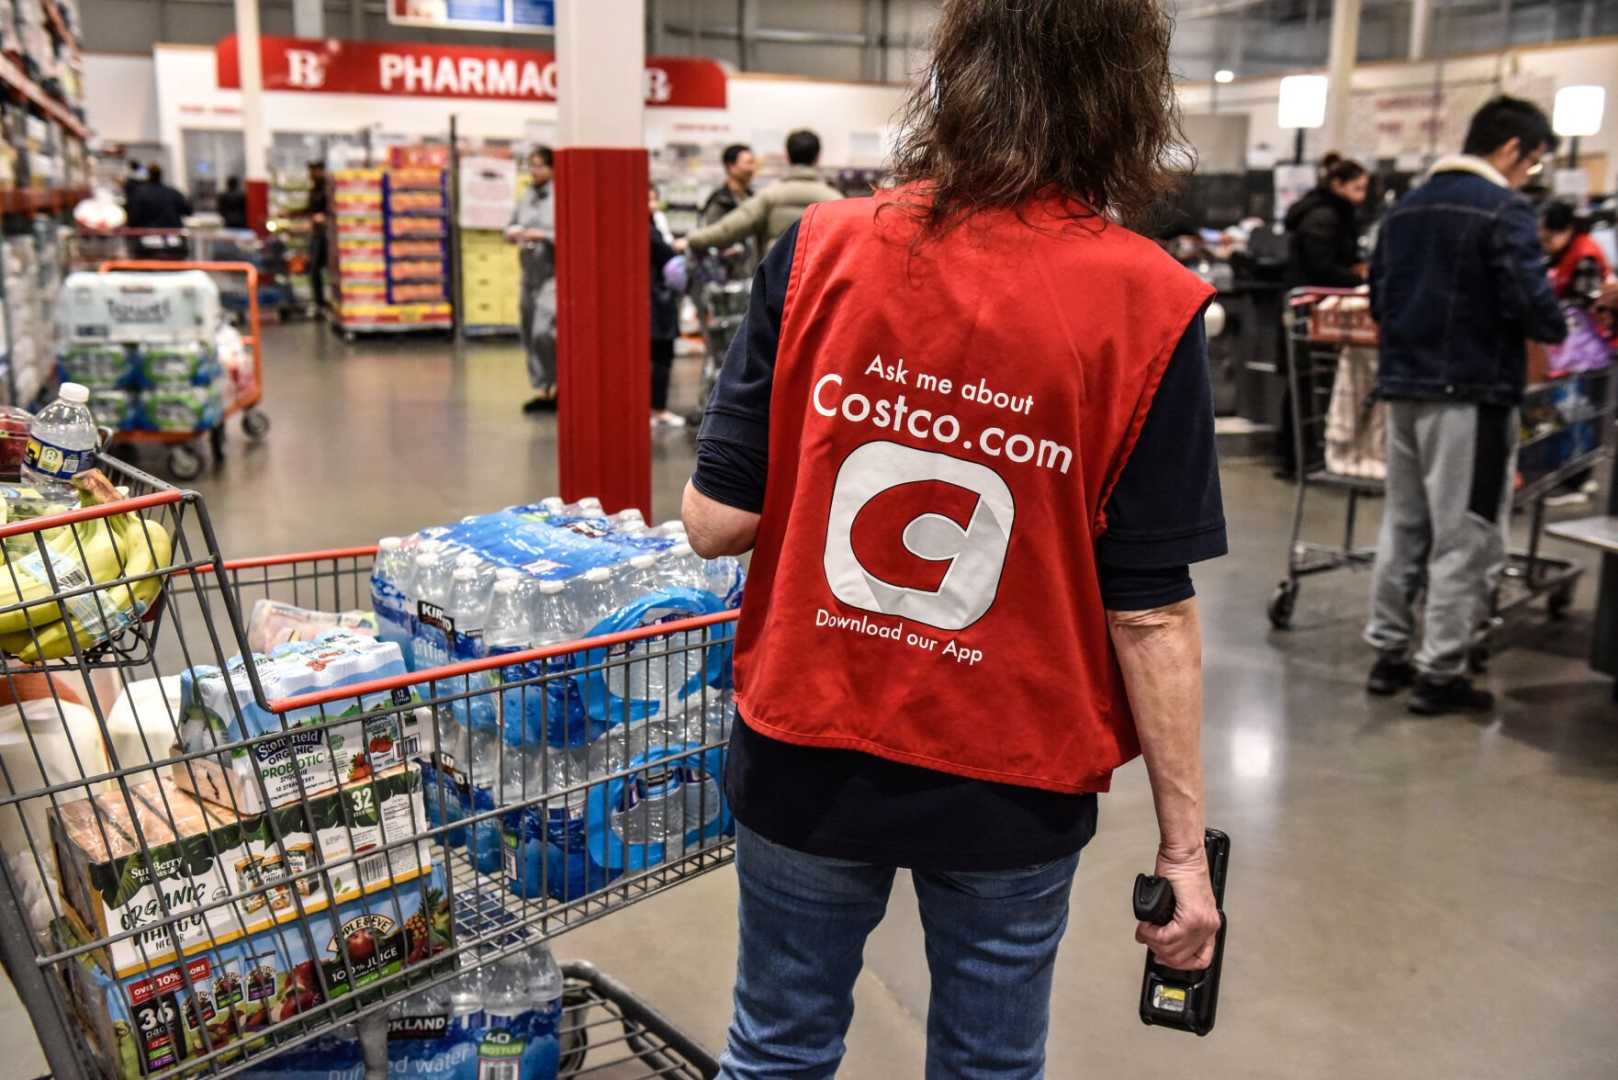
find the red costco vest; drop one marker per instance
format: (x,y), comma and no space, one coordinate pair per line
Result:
(946,423)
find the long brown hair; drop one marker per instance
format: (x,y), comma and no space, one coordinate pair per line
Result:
(1030,96)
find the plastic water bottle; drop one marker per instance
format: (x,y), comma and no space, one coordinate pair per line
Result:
(433,583)
(625,520)
(724,578)
(593,598)
(682,568)
(390,589)
(612,752)
(61,444)
(545,986)
(666,800)
(466,994)
(640,577)
(468,610)
(508,631)
(671,528)
(505,992)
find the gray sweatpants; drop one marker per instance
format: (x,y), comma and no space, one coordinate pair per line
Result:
(538,332)
(1444,527)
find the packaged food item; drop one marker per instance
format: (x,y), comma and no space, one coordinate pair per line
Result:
(201,853)
(154,1019)
(182,408)
(97,364)
(139,307)
(176,363)
(115,409)
(342,743)
(273,623)
(14,426)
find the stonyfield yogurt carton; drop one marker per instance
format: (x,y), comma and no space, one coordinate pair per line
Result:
(122,862)
(323,748)
(155,1019)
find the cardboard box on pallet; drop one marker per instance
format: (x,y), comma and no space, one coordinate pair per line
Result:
(322,749)
(200,853)
(154,1019)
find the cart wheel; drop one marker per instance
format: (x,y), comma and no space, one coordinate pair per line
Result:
(1282,603)
(1558,602)
(255,425)
(185,463)
(1477,660)
(574,1032)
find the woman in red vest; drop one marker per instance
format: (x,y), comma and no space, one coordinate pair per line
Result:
(967,432)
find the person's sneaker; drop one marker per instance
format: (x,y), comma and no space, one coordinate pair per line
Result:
(1390,674)
(539,404)
(667,419)
(1567,498)
(1433,697)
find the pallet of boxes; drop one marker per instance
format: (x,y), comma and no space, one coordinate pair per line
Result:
(271,865)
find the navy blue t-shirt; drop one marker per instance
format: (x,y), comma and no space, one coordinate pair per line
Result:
(1165,513)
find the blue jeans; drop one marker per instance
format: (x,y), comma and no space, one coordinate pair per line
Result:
(991,950)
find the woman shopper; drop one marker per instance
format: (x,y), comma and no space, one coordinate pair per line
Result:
(1323,250)
(972,450)
(1323,233)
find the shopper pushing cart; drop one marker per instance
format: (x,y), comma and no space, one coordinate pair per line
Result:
(1458,284)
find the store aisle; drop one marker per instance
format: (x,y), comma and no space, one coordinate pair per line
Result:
(1407,897)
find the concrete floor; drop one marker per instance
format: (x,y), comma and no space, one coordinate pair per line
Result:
(1407,897)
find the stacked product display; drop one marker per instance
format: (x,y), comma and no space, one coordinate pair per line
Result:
(43,160)
(289,203)
(538,575)
(32,272)
(491,275)
(147,346)
(392,248)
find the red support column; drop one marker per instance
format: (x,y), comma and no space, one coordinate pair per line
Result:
(258,204)
(603,327)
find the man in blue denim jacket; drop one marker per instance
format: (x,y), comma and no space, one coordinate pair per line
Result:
(1458,286)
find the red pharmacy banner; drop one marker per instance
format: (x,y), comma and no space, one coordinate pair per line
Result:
(315,66)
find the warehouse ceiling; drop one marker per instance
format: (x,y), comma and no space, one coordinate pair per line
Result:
(884,40)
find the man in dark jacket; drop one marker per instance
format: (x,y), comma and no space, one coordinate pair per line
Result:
(1458,285)
(156,205)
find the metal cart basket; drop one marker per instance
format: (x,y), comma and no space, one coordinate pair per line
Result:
(1337,431)
(195,881)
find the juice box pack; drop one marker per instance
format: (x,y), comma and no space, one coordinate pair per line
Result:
(196,853)
(323,748)
(155,1019)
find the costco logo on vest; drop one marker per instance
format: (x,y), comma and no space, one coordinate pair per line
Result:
(917,534)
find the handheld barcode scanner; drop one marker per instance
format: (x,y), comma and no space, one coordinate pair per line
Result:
(1182,999)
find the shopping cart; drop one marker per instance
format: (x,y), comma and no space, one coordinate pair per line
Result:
(1337,433)
(720,295)
(185,460)
(337,866)
(91,248)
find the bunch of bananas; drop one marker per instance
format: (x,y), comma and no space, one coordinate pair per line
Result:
(89,553)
